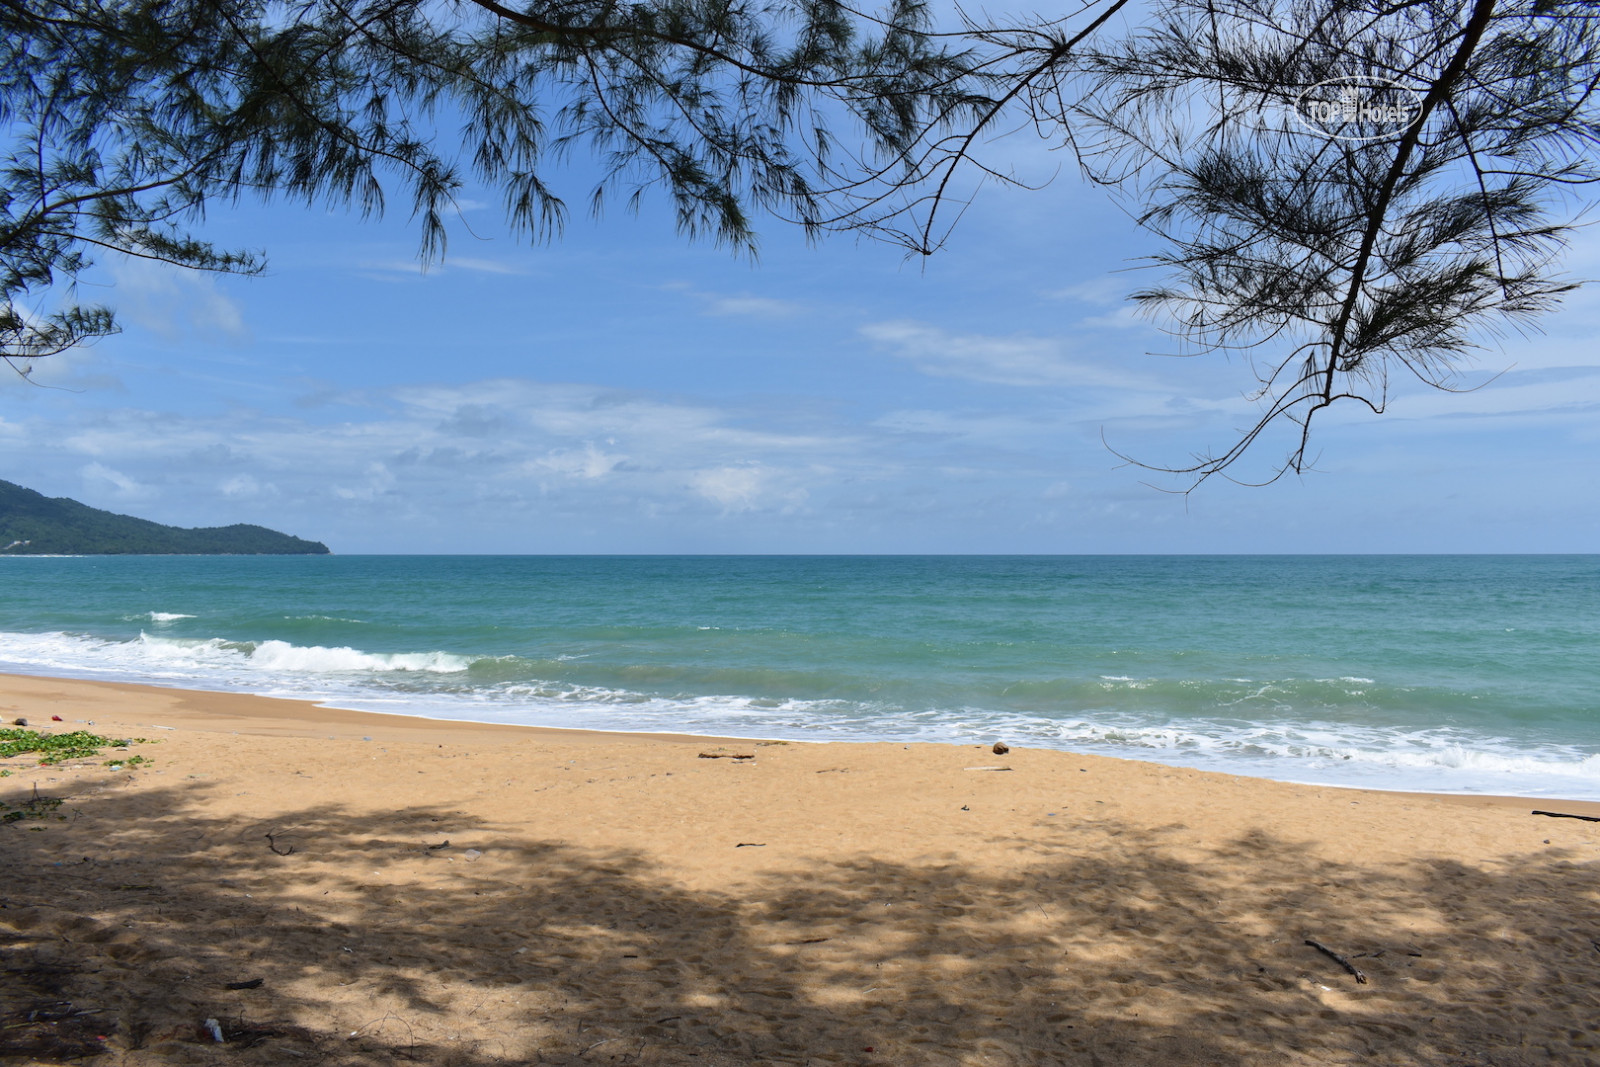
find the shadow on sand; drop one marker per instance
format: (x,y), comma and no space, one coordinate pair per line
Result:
(123,923)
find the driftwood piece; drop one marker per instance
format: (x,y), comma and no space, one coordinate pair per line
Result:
(1567,815)
(1340,960)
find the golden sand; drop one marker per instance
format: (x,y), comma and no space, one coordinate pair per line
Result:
(409,891)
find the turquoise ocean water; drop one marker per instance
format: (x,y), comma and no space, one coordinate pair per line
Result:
(1465,673)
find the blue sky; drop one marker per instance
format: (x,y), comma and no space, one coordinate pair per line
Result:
(622,390)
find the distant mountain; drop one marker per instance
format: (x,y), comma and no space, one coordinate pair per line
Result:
(36,525)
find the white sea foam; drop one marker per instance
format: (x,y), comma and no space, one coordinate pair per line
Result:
(282,656)
(214,661)
(1441,759)
(1268,740)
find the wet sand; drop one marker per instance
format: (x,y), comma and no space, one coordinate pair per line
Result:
(412,891)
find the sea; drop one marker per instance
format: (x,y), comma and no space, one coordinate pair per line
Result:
(1462,674)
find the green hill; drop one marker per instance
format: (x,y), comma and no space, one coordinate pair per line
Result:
(34,524)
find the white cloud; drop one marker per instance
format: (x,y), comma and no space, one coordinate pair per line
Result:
(588,462)
(380,480)
(122,486)
(752,306)
(742,306)
(1511,394)
(244,487)
(482,266)
(76,369)
(385,269)
(1127,317)
(747,488)
(490,449)
(735,488)
(991,428)
(1102,291)
(1015,360)
(650,426)
(174,302)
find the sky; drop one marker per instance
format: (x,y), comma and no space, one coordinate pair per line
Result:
(623,390)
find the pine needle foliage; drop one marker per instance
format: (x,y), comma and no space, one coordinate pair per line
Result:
(1335,249)
(126,119)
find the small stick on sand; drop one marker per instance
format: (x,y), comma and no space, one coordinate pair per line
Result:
(1567,815)
(1340,960)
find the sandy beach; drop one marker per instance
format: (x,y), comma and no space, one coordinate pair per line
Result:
(410,891)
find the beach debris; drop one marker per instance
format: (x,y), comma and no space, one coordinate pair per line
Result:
(442,844)
(57,718)
(19,721)
(986,768)
(471,854)
(59,1011)
(273,845)
(51,1032)
(750,844)
(1566,815)
(965,808)
(251,983)
(1340,960)
(728,755)
(1001,748)
(214,1028)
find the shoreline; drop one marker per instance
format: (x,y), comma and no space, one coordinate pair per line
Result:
(295,717)
(264,710)
(358,889)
